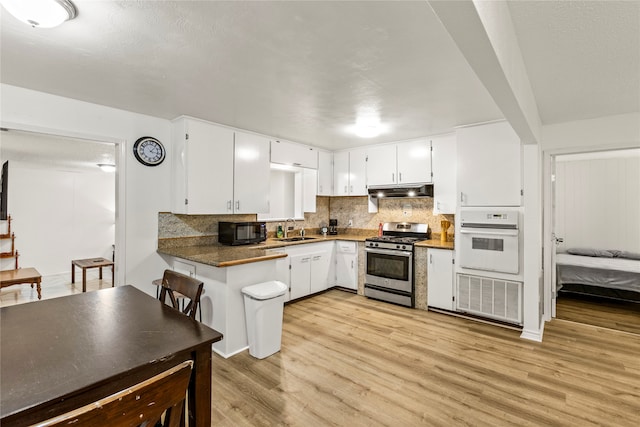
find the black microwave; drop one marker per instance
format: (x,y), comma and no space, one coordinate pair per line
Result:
(241,233)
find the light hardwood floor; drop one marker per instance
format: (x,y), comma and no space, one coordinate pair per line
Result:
(619,315)
(347,360)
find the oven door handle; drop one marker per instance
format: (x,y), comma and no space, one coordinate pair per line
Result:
(492,232)
(389,252)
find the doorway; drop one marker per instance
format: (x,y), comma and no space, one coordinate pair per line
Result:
(594,200)
(64,206)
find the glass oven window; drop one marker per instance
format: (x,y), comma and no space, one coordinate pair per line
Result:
(487,244)
(388,266)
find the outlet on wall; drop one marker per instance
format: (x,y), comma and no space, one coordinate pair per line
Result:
(350,223)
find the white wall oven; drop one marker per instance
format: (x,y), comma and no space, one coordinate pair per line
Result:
(489,241)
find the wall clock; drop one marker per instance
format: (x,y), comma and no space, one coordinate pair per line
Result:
(149,151)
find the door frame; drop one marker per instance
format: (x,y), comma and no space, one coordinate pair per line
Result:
(548,206)
(120,180)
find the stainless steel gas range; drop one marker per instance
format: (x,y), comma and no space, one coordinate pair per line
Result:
(389,262)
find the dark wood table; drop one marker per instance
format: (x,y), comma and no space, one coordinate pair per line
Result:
(59,354)
(21,275)
(85,264)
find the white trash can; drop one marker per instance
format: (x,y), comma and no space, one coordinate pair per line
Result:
(263,306)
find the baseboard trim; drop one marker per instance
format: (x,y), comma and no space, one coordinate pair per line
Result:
(226,356)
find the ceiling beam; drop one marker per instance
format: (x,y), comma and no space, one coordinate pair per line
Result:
(485,35)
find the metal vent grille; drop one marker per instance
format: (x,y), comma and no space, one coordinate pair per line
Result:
(493,298)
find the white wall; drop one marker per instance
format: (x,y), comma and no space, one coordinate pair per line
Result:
(61,215)
(598,203)
(146,188)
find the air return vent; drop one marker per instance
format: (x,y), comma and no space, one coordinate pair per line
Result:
(493,298)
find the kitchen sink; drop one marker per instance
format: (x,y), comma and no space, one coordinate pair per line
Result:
(297,239)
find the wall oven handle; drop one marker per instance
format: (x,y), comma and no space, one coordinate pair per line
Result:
(405,254)
(489,232)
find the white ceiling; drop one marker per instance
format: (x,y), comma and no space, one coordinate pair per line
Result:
(304,70)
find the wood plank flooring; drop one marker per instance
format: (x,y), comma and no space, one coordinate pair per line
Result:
(619,315)
(348,360)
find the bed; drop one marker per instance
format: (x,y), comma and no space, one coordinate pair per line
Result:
(605,273)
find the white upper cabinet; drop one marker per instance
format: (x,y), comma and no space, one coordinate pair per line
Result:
(381,165)
(203,167)
(414,161)
(443,152)
(325,173)
(488,165)
(251,173)
(349,171)
(290,153)
(217,170)
(402,163)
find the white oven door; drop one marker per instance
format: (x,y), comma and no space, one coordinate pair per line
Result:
(489,249)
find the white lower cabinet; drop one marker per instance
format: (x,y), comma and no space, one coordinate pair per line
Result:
(347,264)
(310,268)
(440,290)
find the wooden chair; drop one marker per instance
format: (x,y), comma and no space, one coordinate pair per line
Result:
(177,286)
(157,401)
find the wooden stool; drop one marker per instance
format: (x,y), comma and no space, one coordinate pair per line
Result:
(85,264)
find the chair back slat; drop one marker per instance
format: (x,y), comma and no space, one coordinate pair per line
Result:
(177,285)
(156,401)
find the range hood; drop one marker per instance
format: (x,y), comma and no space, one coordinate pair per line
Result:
(406,190)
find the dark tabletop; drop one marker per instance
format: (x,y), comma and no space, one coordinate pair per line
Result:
(53,348)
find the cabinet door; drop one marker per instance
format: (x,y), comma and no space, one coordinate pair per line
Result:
(440,279)
(444,174)
(488,165)
(290,153)
(347,265)
(325,173)
(320,266)
(251,174)
(341,173)
(309,189)
(299,279)
(358,172)
(381,165)
(414,161)
(208,167)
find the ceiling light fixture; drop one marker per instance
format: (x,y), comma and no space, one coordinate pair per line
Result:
(41,13)
(107,167)
(368,126)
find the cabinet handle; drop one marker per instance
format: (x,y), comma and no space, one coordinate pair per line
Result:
(393,177)
(351,188)
(321,188)
(229,205)
(430,258)
(351,264)
(438,204)
(461,200)
(237,205)
(399,176)
(345,190)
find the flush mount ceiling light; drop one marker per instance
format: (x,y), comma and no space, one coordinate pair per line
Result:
(107,167)
(41,13)
(368,126)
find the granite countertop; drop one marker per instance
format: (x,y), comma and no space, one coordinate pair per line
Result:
(434,243)
(227,256)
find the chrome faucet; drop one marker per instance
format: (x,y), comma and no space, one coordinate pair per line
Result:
(286,226)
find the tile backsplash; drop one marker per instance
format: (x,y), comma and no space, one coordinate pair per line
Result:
(204,228)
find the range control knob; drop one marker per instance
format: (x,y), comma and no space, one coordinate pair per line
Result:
(376,245)
(397,246)
(404,247)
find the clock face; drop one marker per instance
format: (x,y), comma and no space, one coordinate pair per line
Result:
(149,151)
